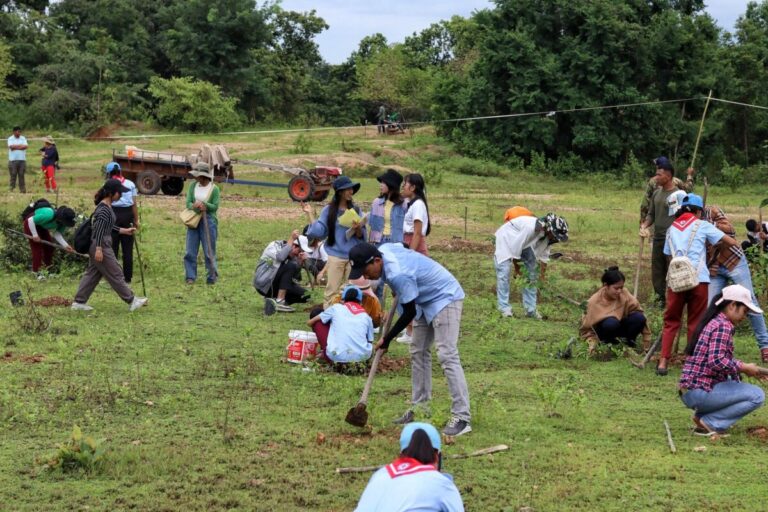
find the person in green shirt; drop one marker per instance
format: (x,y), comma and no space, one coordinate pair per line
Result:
(203,197)
(39,225)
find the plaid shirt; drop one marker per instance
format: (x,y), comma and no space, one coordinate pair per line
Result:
(712,361)
(727,253)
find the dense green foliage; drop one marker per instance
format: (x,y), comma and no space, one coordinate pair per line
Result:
(78,65)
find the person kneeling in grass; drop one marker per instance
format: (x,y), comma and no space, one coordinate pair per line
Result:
(710,383)
(613,313)
(344,331)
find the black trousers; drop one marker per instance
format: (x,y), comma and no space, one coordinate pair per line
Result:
(284,280)
(611,328)
(125,218)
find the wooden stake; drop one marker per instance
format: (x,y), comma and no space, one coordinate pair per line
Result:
(701,128)
(639,262)
(669,438)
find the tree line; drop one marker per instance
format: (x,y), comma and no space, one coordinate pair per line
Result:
(208,65)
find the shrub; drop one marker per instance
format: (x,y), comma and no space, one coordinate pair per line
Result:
(632,173)
(732,176)
(80,453)
(192,104)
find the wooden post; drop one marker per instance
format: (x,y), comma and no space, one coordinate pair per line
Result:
(465,222)
(701,128)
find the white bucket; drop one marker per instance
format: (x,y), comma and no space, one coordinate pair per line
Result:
(302,345)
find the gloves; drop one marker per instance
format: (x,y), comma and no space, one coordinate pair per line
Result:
(645,232)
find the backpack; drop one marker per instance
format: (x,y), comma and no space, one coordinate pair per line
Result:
(82,239)
(682,274)
(266,268)
(31,207)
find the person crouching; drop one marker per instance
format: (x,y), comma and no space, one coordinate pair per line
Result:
(344,331)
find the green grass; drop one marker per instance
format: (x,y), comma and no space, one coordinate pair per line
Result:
(198,411)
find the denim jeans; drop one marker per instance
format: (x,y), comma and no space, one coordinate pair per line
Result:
(727,403)
(502,282)
(195,238)
(740,275)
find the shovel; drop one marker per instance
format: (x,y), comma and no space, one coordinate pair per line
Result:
(358,415)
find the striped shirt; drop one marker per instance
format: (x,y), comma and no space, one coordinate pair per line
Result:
(712,361)
(103,223)
(727,253)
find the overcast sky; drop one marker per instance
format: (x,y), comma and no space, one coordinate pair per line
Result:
(351,20)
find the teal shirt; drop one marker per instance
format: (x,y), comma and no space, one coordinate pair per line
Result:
(212,204)
(43,217)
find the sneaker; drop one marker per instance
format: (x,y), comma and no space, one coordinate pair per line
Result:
(137,303)
(270,306)
(456,427)
(190,281)
(79,306)
(40,276)
(407,417)
(764,354)
(282,307)
(404,338)
(507,313)
(534,314)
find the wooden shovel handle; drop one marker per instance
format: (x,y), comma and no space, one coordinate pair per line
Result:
(379,353)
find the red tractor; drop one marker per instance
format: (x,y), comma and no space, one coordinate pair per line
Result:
(312,185)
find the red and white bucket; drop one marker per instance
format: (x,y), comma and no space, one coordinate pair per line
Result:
(302,345)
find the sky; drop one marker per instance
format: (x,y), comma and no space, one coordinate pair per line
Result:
(351,20)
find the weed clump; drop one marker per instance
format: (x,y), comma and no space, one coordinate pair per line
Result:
(80,453)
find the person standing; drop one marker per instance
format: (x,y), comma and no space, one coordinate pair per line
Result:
(17,159)
(203,197)
(528,239)
(710,382)
(728,264)
(433,299)
(687,237)
(102,262)
(127,216)
(660,215)
(39,224)
(50,162)
(337,243)
(413,481)
(381,119)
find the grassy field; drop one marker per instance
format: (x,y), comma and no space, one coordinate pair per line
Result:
(196,409)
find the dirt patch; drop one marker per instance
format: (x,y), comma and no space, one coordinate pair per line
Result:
(759,432)
(52,301)
(485,194)
(9,357)
(387,365)
(252,212)
(101,132)
(463,246)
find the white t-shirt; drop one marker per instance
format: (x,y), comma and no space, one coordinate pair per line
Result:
(519,234)
(351,333)
(319,253)
(201,192)
(416,211)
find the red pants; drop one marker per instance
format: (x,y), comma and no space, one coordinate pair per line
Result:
(697,300)
(42,255)
(49,172)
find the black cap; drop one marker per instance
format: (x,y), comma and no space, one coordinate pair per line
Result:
(112,185)
(360,256)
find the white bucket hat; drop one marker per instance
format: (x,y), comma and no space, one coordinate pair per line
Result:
(738,293)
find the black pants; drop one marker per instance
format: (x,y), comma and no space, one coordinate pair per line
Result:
(125,219)
(314,266)
(611,328)
(284,281)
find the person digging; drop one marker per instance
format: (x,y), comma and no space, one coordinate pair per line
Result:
(432,298)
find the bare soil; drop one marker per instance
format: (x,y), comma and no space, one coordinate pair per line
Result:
(9,357)
(758,432)
(462,246)
(52,301)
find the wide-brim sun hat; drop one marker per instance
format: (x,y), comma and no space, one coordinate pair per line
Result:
(201,170)
(343,183)
(48,140)
(738,293)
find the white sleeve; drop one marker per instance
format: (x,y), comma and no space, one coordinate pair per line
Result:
(60,238)
(31,225)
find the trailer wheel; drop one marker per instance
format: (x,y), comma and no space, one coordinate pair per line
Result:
(172,186)
(301,188)
(320,195)
(148,183)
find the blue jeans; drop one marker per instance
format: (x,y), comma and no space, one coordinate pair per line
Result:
(611,328)
(195,238)
(740,275)
(502,282)
(727,403)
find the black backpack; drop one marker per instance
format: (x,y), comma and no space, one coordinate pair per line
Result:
(82,239)
(31,207)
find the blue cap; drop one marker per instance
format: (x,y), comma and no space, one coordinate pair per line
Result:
(663,162)
(693,200)
(352,287)
(407,434)
(112,167)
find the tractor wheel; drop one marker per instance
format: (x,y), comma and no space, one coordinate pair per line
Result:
(172,186)
(320,195)
(301,188)
(148,183)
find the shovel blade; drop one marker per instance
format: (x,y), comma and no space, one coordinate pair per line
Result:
(357,416)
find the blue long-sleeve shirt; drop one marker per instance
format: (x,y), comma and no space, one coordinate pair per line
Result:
(342,246)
